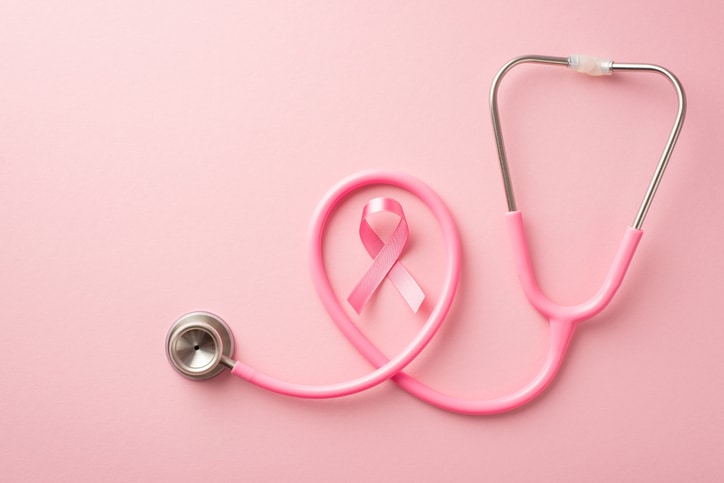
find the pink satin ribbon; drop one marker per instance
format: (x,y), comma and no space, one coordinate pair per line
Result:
(386,258)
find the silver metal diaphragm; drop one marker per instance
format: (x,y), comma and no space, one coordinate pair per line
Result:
(197,343)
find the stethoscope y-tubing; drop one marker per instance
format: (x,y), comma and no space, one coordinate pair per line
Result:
(563,321)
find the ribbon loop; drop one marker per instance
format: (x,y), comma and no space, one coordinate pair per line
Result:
(386,258)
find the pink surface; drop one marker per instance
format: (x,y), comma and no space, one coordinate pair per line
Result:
(163,157)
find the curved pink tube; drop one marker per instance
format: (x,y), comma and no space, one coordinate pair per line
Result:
(568,313)
(387,368)
(563,320)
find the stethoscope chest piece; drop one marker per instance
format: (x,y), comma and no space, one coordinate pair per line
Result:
(198,344)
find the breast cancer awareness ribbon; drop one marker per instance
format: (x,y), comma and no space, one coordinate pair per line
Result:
(386,258)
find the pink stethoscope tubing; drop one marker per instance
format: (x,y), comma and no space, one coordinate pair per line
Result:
(389,367)
(563,320)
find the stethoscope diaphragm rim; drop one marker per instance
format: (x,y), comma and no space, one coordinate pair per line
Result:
(220,338)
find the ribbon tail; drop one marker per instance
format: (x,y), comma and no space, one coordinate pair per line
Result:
(407,286)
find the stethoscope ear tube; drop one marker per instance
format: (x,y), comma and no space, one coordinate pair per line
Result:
(591,66)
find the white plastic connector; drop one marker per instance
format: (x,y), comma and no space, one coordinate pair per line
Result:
(590,65)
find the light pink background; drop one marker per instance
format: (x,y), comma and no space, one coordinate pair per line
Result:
(161,157)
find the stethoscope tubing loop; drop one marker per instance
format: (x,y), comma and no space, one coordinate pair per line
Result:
(335,310)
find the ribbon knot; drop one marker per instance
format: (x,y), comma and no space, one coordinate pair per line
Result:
(386,258)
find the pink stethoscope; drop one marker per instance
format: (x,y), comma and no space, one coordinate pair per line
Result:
(199,345)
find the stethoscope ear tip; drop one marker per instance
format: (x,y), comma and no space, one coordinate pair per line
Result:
(198,344)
